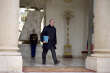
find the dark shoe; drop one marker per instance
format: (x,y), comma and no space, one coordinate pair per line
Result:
(33,58)
(57,63)
(44,63)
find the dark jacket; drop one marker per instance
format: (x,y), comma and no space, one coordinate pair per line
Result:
(33,38)
(51,33)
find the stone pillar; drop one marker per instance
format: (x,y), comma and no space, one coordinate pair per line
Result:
(100,60)
(10,58)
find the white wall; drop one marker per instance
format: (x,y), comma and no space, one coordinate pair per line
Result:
(78,24)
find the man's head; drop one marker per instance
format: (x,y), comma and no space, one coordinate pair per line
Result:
(51,22)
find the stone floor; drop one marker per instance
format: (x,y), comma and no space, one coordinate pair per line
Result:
(63,62)
(37,62)
(27,61)
(59,72)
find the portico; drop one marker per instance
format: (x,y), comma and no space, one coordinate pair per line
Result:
(10,57)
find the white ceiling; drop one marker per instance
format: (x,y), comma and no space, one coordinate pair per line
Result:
(33,3)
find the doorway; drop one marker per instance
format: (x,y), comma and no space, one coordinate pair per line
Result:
(79,30)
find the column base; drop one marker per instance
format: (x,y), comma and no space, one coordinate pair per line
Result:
(67,56)
(67,51)
(98,63)
(10,62)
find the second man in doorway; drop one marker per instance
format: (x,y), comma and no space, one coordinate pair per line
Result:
(33,43)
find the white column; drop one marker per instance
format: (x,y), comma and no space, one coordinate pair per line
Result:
(102,25)
(10,58)
(100,60)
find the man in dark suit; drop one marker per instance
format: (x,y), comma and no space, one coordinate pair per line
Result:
(33,43)
(49,31)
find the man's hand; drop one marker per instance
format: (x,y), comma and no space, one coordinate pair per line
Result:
(44,42)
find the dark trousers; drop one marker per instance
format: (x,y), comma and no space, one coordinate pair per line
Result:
(44,53)
(33,50)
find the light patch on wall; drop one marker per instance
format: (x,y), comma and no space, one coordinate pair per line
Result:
(42,24)
(67,1)
(23,12)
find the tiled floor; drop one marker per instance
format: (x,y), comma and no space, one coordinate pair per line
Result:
(59,72)
(27,61)
(63,62)
(75,62)
(37,62)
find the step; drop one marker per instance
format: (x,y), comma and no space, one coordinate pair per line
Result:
(59,72)
(56,70)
